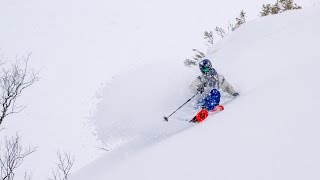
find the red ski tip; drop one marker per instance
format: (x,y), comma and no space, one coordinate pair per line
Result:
(202,115)
(218,108)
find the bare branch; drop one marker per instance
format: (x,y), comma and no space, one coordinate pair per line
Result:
(221,32)
(27,176)
(13,81)
(12,156)
(197,57)
(64,166)
(103,148)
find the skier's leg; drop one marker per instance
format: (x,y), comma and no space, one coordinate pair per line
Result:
(200,102)
(212,100)
(211,103)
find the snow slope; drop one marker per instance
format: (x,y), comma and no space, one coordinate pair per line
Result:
(270,132)
(79,45)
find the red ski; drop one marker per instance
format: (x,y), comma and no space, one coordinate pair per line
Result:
(203,114)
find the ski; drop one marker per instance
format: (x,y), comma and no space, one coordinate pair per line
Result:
(203,114)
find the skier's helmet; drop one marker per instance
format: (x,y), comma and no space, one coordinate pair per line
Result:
(205,66)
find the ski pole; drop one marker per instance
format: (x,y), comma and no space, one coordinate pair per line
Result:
(166,118)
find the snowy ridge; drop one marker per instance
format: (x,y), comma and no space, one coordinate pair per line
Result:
(270,132)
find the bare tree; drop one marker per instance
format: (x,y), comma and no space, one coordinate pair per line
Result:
(13,81)
(12,156)
(63,166)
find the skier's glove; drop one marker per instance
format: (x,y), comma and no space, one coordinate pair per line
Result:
(200,89)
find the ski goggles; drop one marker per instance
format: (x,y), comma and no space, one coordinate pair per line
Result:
(206,69)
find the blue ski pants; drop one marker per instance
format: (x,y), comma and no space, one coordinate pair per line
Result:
(211,100)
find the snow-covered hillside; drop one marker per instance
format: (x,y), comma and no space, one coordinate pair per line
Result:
(270,132)
(78,46)
(135,49)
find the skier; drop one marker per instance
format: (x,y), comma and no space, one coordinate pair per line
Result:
(208,84)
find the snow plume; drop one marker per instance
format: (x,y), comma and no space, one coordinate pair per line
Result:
(134,103)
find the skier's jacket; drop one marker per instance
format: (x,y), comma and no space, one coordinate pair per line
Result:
(212,80)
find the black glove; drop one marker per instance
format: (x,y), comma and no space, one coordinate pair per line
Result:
(200,89)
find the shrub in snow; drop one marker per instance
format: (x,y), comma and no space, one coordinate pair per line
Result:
(279,7)
(240,20)
(197,57)
(221,32)
(208,35)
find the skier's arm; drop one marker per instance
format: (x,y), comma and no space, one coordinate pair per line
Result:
(225,86)
(197,85)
